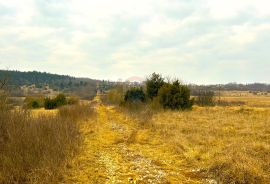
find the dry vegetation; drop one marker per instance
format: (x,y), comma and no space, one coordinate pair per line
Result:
(228,144)
(137,143)
(261,99)
(35,147)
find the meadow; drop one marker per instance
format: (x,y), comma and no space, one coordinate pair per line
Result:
(220,144)
(93,142)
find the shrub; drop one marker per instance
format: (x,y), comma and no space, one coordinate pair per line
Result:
(53,103)
(153,84)
(33,102)
(50,103)
(60,100)
(205,98)
(175,96)
(135,95)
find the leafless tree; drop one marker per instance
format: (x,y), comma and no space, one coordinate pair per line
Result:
(3,82)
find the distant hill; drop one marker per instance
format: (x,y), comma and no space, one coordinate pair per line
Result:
(40,82)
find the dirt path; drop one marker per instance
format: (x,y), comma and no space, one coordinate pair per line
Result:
(115,150)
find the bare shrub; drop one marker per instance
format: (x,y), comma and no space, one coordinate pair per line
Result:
(114,96)
(205,98)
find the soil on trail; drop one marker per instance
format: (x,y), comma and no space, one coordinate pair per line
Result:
(116,150)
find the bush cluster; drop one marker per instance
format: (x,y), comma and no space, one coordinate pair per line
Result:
(169,95)
(52,103)
(175,96)
(135,95)
(33,102)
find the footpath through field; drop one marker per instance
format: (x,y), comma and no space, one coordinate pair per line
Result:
(115,150)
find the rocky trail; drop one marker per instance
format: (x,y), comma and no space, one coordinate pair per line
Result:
(115,150)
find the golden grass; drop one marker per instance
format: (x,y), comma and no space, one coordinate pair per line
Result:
(252,101)
(137,144)
(207,144)
(229,144)
(35,146)
(245,98)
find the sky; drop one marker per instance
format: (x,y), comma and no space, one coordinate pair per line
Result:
(198,41)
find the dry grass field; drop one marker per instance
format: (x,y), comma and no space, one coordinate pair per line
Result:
(204,145)
(228,144)
(36,145)
(246,98)
(219,144)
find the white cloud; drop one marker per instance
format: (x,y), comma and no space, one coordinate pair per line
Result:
(122,38)
(230,8)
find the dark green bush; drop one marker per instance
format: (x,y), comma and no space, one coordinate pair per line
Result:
(175,96)
(135,95)
(50,103)
(61,100)
(153,84)
(35,104)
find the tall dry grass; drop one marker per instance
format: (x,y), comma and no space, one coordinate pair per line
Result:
(229,144)
(34,148)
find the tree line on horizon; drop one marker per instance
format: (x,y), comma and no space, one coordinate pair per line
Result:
(86,88)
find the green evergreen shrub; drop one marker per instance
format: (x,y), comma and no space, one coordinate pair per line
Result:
(135,95)
(175,96)
(153,84)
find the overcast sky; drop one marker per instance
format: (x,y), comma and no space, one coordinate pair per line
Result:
(199,41)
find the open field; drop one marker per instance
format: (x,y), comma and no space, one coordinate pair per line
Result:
(219,144)
(135,92)
(246,98)
(205,145)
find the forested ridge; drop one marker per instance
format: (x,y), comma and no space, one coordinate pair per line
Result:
(83,87)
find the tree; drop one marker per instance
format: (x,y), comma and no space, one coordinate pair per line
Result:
(135,95)
(175,96)
(3,82)
(153,84)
